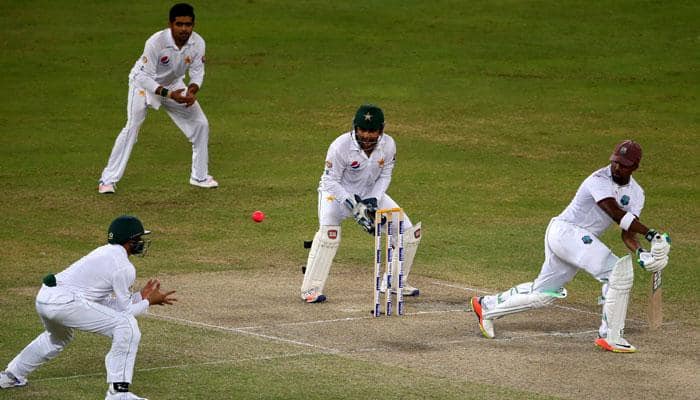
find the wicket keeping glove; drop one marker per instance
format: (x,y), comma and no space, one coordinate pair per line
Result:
(363,211)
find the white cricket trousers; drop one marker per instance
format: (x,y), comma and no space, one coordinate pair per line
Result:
(191,121)
(61,312)
(567,249)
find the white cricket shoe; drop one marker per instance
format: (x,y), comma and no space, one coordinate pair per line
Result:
(106,188)
(486,325)
(407,290)
(312,296)
(621,346)
(208,183)
(8,380)
(122,396)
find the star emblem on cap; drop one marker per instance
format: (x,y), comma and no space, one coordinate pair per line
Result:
(368,117)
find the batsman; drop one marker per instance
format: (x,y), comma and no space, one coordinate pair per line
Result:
(356,177)
(572,243)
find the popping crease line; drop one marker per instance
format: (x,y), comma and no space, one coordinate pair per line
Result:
(245,332)
(263,358)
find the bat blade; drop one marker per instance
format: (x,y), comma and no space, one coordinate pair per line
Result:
(655,312)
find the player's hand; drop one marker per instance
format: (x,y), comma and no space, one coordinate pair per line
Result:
(148,288)
(187,99)
(157,297)
(661,245)
(193,89)
(648,262)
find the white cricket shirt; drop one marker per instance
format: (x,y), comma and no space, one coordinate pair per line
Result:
(104,276)
(164,64)
(584,211)
(350,171)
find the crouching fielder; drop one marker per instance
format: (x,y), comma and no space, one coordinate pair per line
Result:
(92,295)
(571,243)
(358,171)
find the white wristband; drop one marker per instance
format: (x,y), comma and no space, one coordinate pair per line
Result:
(626,221)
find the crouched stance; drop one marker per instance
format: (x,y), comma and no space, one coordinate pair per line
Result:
(572,243)
(358,171)
(93,295)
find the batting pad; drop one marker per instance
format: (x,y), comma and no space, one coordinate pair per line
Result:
(323,249)
(617,297)
(521,298)
(412,239)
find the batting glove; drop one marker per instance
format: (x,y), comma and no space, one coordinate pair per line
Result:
(661,246)
(648,262)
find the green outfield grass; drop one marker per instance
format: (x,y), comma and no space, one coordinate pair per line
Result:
(499,109)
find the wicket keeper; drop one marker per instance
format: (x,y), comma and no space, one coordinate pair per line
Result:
(356,177)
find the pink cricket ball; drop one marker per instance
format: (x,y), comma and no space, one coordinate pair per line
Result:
(258,216)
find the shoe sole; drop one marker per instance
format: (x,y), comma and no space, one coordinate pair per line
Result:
(603,344)
(476,307)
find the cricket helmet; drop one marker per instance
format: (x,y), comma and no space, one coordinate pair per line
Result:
(125,228)
(627,153)
(369,118)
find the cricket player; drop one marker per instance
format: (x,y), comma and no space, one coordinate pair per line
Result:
(93,295)
(572,243)
(356,177)
(157,79)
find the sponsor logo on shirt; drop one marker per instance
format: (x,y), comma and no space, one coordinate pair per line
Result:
(165,60)
(355,165)
(587,240)
(625,200)
(332,234)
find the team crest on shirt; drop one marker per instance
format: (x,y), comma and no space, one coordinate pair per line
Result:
(587,240)
(142,93)
(625,200)
(355,165)
(144,59)
(188,60)
(381,163)
(329,164)
(165,60)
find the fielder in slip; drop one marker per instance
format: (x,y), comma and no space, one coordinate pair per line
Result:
(93,295)
(157,79)
(571,244)
(356,177)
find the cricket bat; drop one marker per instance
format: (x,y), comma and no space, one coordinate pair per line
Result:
(655,312)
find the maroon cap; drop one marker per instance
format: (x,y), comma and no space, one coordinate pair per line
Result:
(627,153)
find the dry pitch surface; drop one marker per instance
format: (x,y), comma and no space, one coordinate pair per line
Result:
(545,351)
